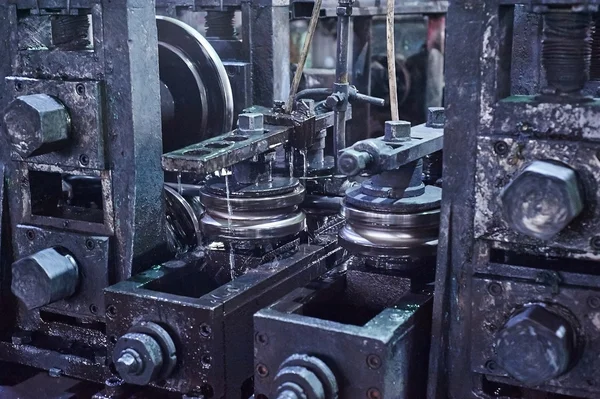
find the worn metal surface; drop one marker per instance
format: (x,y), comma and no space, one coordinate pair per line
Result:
(209,321)
(109,85)
(366,327)
(487,273)
(379,155)
(228,149)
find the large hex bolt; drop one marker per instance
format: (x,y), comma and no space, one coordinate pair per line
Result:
(36,124)
(542,200)
(251,123)
(145,354)
(44,277)
(536,345)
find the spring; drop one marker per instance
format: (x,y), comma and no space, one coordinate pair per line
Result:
(220,25)
(567,50)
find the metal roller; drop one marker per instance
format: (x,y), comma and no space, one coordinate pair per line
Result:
(196,96)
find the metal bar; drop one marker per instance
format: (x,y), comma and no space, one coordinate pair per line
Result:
(344,11)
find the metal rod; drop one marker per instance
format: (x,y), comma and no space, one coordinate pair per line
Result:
(391,57)
(341,73)
(304,55)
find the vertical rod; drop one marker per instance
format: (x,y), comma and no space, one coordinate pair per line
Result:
(391,58)
(341,74)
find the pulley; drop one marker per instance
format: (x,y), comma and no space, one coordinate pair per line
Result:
(196,96)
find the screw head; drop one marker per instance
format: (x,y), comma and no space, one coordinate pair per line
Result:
(374,393)
(374,362)
(262,370)
(501,148)
(129,362)
(333,100)
(495,289)
(397,131)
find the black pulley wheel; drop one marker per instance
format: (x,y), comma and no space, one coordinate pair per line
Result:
(196,96)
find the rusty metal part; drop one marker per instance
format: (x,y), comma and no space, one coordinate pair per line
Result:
(231,148)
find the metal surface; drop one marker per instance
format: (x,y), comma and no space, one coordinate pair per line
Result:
(365,338)
(228,149)
(378,155)
(511,315)
(209,321)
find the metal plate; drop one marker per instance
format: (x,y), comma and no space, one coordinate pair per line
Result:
(198,83)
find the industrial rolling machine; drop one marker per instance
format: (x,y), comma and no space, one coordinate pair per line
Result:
(361,330)
(109,275)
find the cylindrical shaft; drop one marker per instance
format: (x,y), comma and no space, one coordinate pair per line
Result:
(339,139)
(341,73)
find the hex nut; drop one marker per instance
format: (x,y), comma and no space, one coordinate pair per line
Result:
(351,162)
(397,131)
(251,123)
(542,200)
(138,358)
(44,277)
(36,124)
(536,345)
(436,117)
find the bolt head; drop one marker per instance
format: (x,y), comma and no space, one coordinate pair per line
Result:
(333,100)
(36,124)
(535,345)
(436,117)
(397,131)
(251,123)
(129,362)
(44,277)
(542,200)
(138,358)
(351,162)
